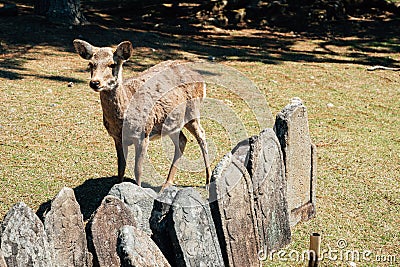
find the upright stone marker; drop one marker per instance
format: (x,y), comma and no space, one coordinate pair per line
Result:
(232,208)
(267,171)
(193,232)
(66,231)
(291,127)
(139,200)
(23,239)
(136,249)
(104,226)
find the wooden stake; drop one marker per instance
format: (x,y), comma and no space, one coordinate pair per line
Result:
(315,248)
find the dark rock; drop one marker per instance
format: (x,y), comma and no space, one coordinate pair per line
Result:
(232,208)
(23,239)
(137,249)
(193,232)
(66,231)
(139,200)
(291,127)
(107,220)
(160,222)
(267,171)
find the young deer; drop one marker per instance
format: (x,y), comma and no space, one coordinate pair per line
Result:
(160,101)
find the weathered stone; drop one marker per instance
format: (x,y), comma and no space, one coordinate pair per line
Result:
(2,260)
(107,220)
(160,221)
(136,249)
(291,127)
(232,208)
(193,232)
(267,172)
(139,200)
(66,231)
(23,239)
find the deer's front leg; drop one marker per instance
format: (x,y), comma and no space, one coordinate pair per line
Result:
(140,153)
(122,153)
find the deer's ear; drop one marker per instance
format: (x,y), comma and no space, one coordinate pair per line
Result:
(124,50)
(84,49)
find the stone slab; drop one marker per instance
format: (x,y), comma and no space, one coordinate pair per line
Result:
(2,260)
(23,239)
(66,231)
(232,208)
(139,200)
(137,249)
(292,130)
(104,226)
(267,171)
(193,234)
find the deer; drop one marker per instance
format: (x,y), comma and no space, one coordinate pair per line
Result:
(160,101)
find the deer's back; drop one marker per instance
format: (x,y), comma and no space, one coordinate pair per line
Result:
(166,95)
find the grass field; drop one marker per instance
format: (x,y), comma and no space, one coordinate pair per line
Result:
(52,136)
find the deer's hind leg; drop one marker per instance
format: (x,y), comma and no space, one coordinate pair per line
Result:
(140,154)
(195,128)
(179,140)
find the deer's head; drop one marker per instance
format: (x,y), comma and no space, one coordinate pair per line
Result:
(105,63)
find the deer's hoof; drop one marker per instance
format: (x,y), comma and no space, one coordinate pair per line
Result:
(165,185)
(120,179)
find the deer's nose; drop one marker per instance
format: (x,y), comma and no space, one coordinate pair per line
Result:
(94,84)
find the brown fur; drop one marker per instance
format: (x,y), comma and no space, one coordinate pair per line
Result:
(159,101)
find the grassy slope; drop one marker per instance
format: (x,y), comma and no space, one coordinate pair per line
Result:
(51,136)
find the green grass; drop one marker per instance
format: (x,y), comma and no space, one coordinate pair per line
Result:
(51,136)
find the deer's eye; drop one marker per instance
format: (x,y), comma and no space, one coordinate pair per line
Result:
(112,65)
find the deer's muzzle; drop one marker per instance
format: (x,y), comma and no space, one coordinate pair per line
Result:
(95,85)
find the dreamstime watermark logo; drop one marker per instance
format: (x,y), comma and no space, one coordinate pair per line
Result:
(171,82)
(341,252)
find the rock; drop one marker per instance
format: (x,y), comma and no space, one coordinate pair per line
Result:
(139,200)
(2,260)
(160,222)
(137,249)
(23,239)
(299,154)
(267,171)
(193,232)
(107,220)
(232,208)
(66,231)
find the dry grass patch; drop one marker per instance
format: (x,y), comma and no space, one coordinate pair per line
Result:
(52,136)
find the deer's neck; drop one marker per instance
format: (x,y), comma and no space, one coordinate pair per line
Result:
(115,102)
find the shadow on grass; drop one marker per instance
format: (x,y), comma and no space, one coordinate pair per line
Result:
(91,193)
(169,36)
(61,78)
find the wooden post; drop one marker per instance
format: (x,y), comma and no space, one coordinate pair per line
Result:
(315,247)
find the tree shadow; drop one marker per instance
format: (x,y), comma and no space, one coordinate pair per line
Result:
(159,33)
(60,78)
